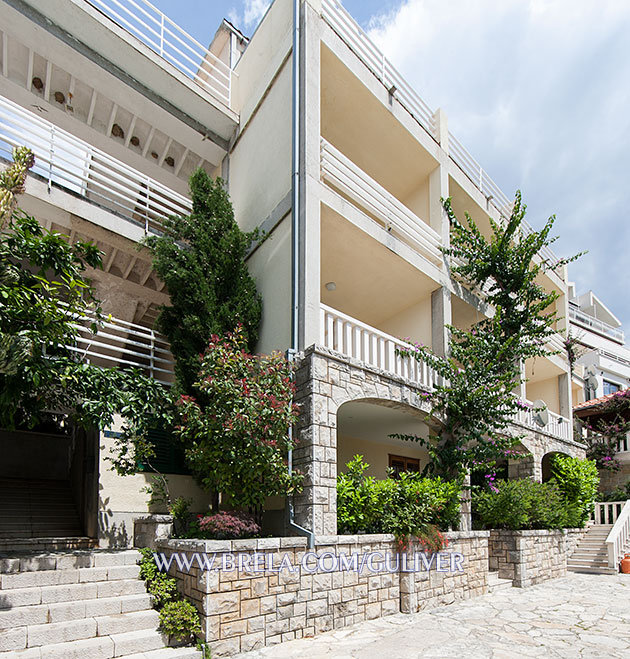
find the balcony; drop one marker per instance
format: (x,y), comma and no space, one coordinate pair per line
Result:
(359,341)
(341,173)
(173,44)
(358,41)
(599,326)
(67,162)
(120,344)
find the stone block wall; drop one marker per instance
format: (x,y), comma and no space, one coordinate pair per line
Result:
(426,589)
(530,557)
(148,530)
(266,602)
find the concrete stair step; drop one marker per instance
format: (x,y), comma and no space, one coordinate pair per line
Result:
(51,634)
(43,578)
(168,653)
(34,561)
(58,543)
(588,569)
(70,592)
(104,647)
(496,583)
(40,614)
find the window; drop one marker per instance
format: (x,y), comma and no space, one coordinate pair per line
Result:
(399,464)
(169,456)
(610,387)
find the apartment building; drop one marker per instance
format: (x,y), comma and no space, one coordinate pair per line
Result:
(603,362)
(325,147)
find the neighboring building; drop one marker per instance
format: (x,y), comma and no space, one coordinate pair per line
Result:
(118,121)
(604,364)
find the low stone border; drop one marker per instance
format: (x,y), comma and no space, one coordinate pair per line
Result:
(529,557)
(149,530)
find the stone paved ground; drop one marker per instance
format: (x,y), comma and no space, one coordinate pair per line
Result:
(579,615)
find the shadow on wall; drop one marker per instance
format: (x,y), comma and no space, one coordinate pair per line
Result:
(113,534)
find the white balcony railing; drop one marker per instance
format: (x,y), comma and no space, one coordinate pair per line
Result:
(357,340)
(165,38)
(359,42)
(599,326)
(350,31)
(353,182)
(121,344)
(557,426)
(68,162)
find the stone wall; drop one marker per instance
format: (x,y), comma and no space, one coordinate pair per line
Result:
(529,557)
(426,589)
(267,602)
(149,530)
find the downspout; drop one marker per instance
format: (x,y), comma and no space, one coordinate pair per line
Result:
(295,240)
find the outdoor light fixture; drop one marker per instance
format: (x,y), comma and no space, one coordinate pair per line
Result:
(331,286)
(392,90)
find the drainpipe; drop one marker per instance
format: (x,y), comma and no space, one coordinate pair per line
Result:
(295,240)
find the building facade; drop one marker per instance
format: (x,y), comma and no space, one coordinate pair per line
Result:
(323,146)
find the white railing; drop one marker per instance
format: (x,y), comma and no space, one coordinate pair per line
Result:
(616,358)
(365,49)
(357,340)
(119,343)
(359,42)
(557,425)
(607,512)
(342,173)
(590,322)
(165,38)
(66,161)
(619,536)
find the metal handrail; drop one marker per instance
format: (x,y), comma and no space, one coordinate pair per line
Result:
(65,160)
(173,44)
(595,324)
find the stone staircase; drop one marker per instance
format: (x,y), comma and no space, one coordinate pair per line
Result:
(495,583)
(79,605)
(591,554)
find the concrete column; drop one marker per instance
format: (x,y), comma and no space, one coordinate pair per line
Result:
(441,316)
(440,122)
(465,508)
(438,190)
(564,395)
(309,212)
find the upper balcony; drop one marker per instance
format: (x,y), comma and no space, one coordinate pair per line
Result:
(593,324)
(358,41)
(136,203)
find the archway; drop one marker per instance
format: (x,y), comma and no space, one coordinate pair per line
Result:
(364,428)
(546,464)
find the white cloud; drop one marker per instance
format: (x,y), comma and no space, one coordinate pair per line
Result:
(539,93)
(254,11)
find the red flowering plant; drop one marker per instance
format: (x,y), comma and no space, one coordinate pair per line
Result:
(235,431)
(228,526)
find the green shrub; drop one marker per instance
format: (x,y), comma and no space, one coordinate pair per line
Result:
(180,620)
(521,504)
(620,493)
(410,506)
(578,481)
(163,588)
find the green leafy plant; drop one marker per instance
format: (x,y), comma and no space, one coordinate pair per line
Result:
(475,403)
(44,295)
(620,493)
(522,504)
(578,480)
(235,431)
(180,620)
(201,259)
(409,506)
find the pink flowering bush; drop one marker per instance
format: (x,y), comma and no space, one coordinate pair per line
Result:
(228,526)
(235,430)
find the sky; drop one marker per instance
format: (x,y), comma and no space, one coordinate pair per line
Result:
(538,91)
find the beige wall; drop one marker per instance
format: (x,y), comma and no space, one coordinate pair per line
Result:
(418,200)
(546,390)
(270,265)
(414,322)
(376,454)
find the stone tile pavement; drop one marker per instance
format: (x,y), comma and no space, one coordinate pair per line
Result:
(580,615)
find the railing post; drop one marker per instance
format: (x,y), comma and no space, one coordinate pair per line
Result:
(162,36)
(152,354)
(51,156)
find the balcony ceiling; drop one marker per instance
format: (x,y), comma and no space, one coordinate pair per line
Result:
(88,100)
(372,283)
